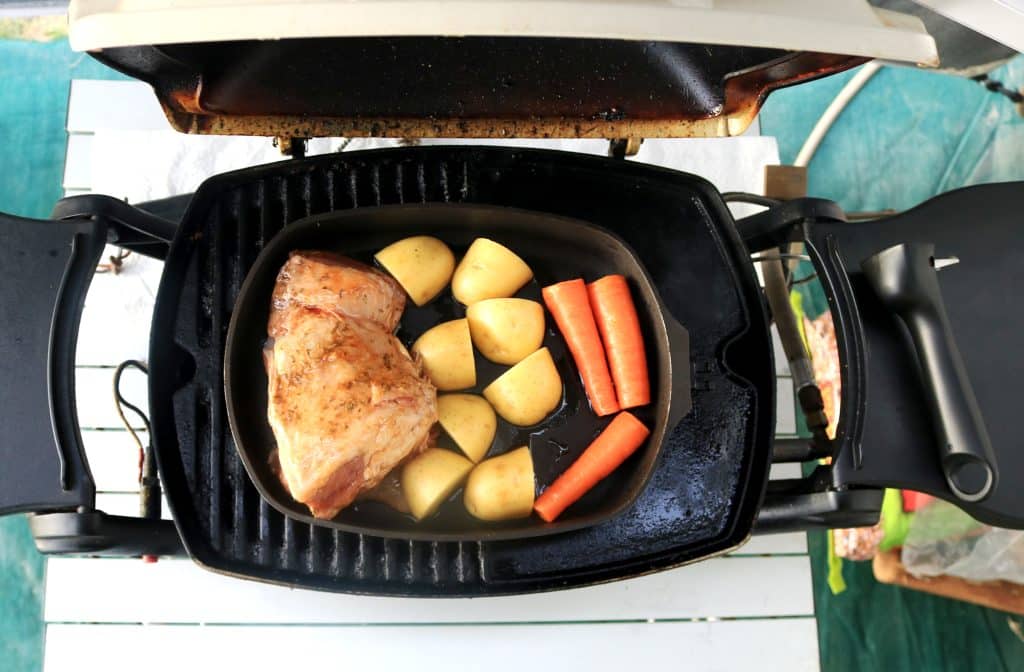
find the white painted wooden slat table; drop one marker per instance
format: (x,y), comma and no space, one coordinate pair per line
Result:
(753,608)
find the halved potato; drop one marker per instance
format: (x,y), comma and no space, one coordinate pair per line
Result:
(423,265)
(447,353)
(505,331)
(527,392)
(488,271)
(430,478)
(502,487)
(470,421)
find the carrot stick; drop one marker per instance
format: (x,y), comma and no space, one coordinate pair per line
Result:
(568,302)
(623,343)
(618,441)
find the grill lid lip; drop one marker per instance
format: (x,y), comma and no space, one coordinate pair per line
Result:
(256,542)
(661,68)
(849,27)
(466,87)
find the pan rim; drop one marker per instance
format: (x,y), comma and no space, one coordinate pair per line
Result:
(273,247)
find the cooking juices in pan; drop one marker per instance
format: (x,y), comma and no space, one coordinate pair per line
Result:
(556,249)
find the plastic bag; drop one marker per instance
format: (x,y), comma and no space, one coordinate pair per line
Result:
(942,539)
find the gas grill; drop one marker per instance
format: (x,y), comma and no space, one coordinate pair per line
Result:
(710,488)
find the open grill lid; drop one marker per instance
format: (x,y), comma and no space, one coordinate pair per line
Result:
(598,69)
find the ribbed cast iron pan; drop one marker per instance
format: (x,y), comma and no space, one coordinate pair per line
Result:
(556,249)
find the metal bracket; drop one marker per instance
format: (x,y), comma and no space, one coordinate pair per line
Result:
(819,510)
(96,533)
(784,223)
(620,148)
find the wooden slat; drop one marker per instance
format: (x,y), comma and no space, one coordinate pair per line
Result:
(783,471)
(174,163)
(114,459)
(108,105)
(177,591)
(771,544)
(78,162)
(126,504)
(785,415)
(95,398)
(781,644)
(118,312)
(781,363)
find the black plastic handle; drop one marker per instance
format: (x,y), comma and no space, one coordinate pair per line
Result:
(86,250)
(47,267)
(130,227)
(904,278)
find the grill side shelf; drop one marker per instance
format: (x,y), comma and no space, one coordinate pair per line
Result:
(47,266)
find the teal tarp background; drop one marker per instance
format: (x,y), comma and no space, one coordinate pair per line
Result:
(35,80)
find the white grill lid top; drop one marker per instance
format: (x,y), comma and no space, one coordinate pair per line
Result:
(838,26)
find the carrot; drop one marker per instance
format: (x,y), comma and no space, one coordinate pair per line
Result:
(623,343)
(568,302)
(619,440)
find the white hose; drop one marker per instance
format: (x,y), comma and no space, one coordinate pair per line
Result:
(833,111)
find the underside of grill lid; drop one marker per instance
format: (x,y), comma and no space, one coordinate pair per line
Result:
(495,68)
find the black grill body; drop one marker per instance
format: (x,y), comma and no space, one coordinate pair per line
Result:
(704,495)
(710,481)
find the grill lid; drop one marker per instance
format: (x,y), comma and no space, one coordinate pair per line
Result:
(472,87)
(601,69)
(840,26)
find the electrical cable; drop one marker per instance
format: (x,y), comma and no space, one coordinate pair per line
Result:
(149,481)
(832,112)
(746,197)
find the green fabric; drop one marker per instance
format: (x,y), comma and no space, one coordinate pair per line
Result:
(34,84)
(872,626)
(908,135)
(835,580)
(796,300)
(811,294)
(895,521)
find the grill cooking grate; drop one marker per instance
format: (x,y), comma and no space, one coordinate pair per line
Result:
(721,451)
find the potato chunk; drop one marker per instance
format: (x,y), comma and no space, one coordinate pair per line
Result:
(528,392)
(447,354)
(470,421)
(430,478)
(422,265)
(502,487)
(505,331)
(489,271)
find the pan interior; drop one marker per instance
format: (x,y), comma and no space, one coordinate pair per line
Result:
(556,249)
